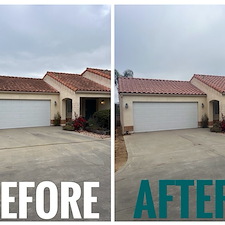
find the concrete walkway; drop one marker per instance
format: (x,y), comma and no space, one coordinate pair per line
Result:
(191,154)
(51,154)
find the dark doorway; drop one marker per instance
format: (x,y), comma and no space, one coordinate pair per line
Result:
(216,111)
(90,108)
(68,109)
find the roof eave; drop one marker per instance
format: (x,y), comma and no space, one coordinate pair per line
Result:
(155,94)
(30,92)
(91,92)
(91,70)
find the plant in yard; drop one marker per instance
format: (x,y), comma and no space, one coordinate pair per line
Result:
(92,123)
(99,122)
(223,117)
(79,123)
(57,119)
(216,127)
(69,125)
(222,124)
(102,118)
(205,121)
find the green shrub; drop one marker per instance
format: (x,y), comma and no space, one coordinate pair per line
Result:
(57,119)
(92,123)
(205,121)
(68,127)
(70,122)
(216,127)
(102,118)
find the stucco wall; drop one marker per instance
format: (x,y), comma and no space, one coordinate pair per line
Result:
(212,94)
(98,79)
(34,96)
(64,93)
(104,106)
(75,96)
(126,115)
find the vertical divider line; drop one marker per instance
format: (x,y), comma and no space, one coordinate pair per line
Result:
(112,113)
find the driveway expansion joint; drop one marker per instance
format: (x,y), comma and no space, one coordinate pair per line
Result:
(50,144)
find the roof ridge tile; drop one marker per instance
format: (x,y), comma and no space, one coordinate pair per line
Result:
(31,78)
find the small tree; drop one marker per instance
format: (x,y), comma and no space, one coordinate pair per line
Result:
(128,73)
(117,75)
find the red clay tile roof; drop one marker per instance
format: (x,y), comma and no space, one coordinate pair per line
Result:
(153,86)
(77,82)
(215,82)
(103,73)
(23,84)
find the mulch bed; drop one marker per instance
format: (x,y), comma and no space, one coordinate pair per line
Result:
(121,155)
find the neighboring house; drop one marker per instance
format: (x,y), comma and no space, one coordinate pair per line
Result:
(152,105)
(31,102)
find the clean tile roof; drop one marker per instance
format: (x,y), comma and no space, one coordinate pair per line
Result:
(23,84)
(103,73)
(77,82)
(155,86)
(215,82)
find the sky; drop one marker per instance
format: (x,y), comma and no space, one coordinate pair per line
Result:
(170,41)
(35,39)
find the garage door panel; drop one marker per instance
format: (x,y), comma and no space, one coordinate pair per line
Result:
(164,116)
(24,113)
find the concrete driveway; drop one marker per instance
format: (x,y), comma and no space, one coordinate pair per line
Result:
(51,154)
(191,154)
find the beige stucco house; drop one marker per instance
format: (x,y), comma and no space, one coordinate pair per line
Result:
(30,102)
(152,104)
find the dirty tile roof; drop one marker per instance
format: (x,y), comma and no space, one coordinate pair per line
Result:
(100,72)
(215,82)
(155,86)
(24,84)
(77,82)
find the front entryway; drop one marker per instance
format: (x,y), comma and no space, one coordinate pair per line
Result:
(90,108)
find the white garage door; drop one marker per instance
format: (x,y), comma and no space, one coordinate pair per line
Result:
(164,116)
(24,113)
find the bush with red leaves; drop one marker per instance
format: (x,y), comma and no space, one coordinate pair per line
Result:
(79,123)
(222,124)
